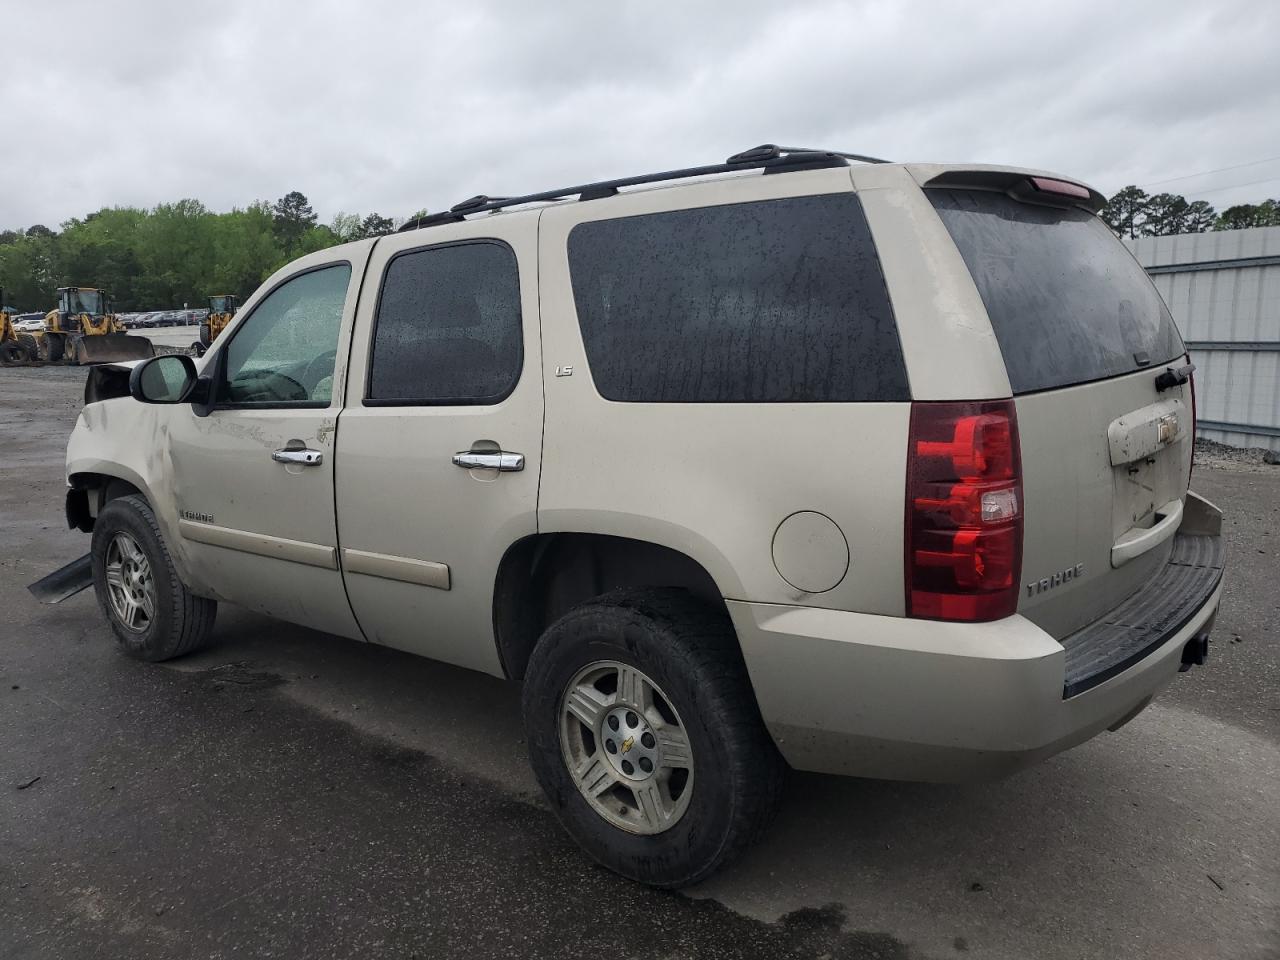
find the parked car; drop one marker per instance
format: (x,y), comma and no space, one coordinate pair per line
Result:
(28,322)
(834,468)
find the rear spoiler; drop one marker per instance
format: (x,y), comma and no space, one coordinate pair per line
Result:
(1024,185)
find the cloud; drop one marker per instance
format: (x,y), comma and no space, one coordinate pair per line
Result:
(396,106)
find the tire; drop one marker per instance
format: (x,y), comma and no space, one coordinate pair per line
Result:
(179,622)
(32,345)
(55,347)
(688,651)
(11,351)
(205,339)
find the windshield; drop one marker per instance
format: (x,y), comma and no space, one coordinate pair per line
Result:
(1067,301)
(85,301)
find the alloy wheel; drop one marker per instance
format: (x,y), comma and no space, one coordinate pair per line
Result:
(626,748)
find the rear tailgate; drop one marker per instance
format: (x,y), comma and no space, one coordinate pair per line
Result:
(1105,452)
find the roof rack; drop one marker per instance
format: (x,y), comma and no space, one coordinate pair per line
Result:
(768,157)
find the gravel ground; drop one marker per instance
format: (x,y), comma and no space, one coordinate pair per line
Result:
(1220,456)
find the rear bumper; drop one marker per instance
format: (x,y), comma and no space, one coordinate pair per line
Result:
(902,699)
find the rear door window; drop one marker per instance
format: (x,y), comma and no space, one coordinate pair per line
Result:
(448,327)
(772,301)
(1067,301)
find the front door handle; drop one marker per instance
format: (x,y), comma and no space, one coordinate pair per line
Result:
(496,460)
(307,458)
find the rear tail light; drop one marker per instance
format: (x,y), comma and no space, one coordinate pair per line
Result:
(964,511)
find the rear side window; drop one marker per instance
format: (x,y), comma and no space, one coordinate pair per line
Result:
(448,327)
(768,302)
(1067,302)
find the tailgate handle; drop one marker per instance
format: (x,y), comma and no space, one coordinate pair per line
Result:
(1138,541)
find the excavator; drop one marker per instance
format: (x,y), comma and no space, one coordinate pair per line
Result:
(221,310)
(82,328)
(15,347)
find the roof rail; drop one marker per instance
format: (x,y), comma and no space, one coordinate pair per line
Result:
(770,150)
(768,157)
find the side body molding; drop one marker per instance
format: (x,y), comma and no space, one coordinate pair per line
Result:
(279,548)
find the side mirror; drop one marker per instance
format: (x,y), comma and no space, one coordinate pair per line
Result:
(164,379)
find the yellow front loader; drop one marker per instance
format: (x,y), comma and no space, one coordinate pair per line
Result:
(83,328)
(15,347)
(221,310)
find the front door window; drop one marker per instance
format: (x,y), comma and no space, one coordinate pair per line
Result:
(283,354)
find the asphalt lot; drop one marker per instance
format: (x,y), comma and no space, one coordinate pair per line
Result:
(289,794)
(169,336)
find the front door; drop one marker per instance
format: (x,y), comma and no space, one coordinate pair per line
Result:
(440,440)
(253,480)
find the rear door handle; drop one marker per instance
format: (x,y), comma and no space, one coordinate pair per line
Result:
(497,460)
(307,458)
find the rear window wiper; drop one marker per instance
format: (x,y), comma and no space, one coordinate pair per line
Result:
(1174,377)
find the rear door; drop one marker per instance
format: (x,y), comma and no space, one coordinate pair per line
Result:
(439,450)
(1105,451)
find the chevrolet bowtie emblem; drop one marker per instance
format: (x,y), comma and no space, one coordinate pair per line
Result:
(627,744)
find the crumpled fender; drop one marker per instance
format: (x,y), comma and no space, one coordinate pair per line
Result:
(127,440)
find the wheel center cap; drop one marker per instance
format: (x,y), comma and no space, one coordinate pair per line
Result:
(630,747)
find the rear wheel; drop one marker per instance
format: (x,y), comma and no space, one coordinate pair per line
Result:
(152,613)
(11,351)
(644,734)
(32,345)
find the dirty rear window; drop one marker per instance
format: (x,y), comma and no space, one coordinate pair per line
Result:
(773,301)
(1067,301)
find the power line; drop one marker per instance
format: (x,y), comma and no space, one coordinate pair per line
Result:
(1250,183)
(1205,173)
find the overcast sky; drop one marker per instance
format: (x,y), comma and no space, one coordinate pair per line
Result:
(390,107)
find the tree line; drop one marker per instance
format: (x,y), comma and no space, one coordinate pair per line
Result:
(1132,212)
(171,255)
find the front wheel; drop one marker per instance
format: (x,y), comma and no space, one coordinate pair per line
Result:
(645,736)
(152,613)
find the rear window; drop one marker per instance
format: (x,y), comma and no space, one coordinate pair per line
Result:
(1067,301)
(773,301)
